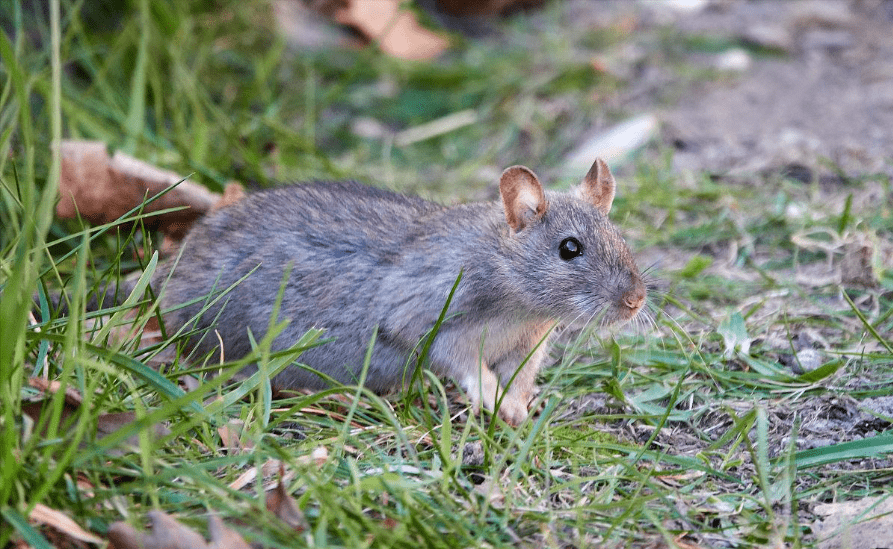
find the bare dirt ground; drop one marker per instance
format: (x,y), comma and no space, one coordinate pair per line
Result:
(817,100)
(830,98)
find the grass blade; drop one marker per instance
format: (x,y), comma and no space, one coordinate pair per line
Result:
(136,114)
(872,447)
(28,533)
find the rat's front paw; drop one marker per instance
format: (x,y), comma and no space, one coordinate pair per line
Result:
(485,389)
(513,409)
(481,389)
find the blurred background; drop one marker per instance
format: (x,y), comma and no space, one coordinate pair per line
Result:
(442,94)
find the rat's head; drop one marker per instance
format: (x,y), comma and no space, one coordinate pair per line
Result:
(569,259)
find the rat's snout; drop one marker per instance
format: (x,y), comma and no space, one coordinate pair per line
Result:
(633,299)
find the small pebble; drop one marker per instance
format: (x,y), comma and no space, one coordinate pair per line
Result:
(473,454)
(809,359)
(734,60)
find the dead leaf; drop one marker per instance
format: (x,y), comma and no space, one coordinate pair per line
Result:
(269,468)
(165,533)
(233,436)
(680,479)
(437,127)
(42,514)
(245,478)
(72,396)
(107,424)
(281,504)
(856,268)
(862,524)
(101,189)
(683,544)
(395,29)
(223,537)
(864,256)
(34,408)
(318,457)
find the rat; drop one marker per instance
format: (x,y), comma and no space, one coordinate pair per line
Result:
(354,258)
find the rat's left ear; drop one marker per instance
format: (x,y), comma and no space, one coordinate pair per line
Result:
(598,186)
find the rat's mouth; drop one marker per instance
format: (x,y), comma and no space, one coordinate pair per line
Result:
(605,312)
(626,313)
(613,316)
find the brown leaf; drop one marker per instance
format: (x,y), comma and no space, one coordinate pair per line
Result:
(857,266)
(85,487)
(250,474)
(72,396)
(683,544)
(395,29)
(232,436)
(223,537)
(281,504)
(318,456)
(101,189)
(42,514)
(107,424)
(35,408)
(165,533)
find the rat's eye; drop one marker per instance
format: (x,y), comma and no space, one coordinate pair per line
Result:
(570,248)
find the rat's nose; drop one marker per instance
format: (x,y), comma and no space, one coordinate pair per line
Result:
(634,298)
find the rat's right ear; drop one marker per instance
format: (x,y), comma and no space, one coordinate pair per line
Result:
(522,197)
(598,186)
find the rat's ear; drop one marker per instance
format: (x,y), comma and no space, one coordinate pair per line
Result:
(522,197)
(598,186)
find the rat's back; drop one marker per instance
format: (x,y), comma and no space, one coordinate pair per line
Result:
(367,216)
(335,242)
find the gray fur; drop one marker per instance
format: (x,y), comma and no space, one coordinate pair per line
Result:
(362,257)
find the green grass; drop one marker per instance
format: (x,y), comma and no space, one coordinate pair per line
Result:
(688,428)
